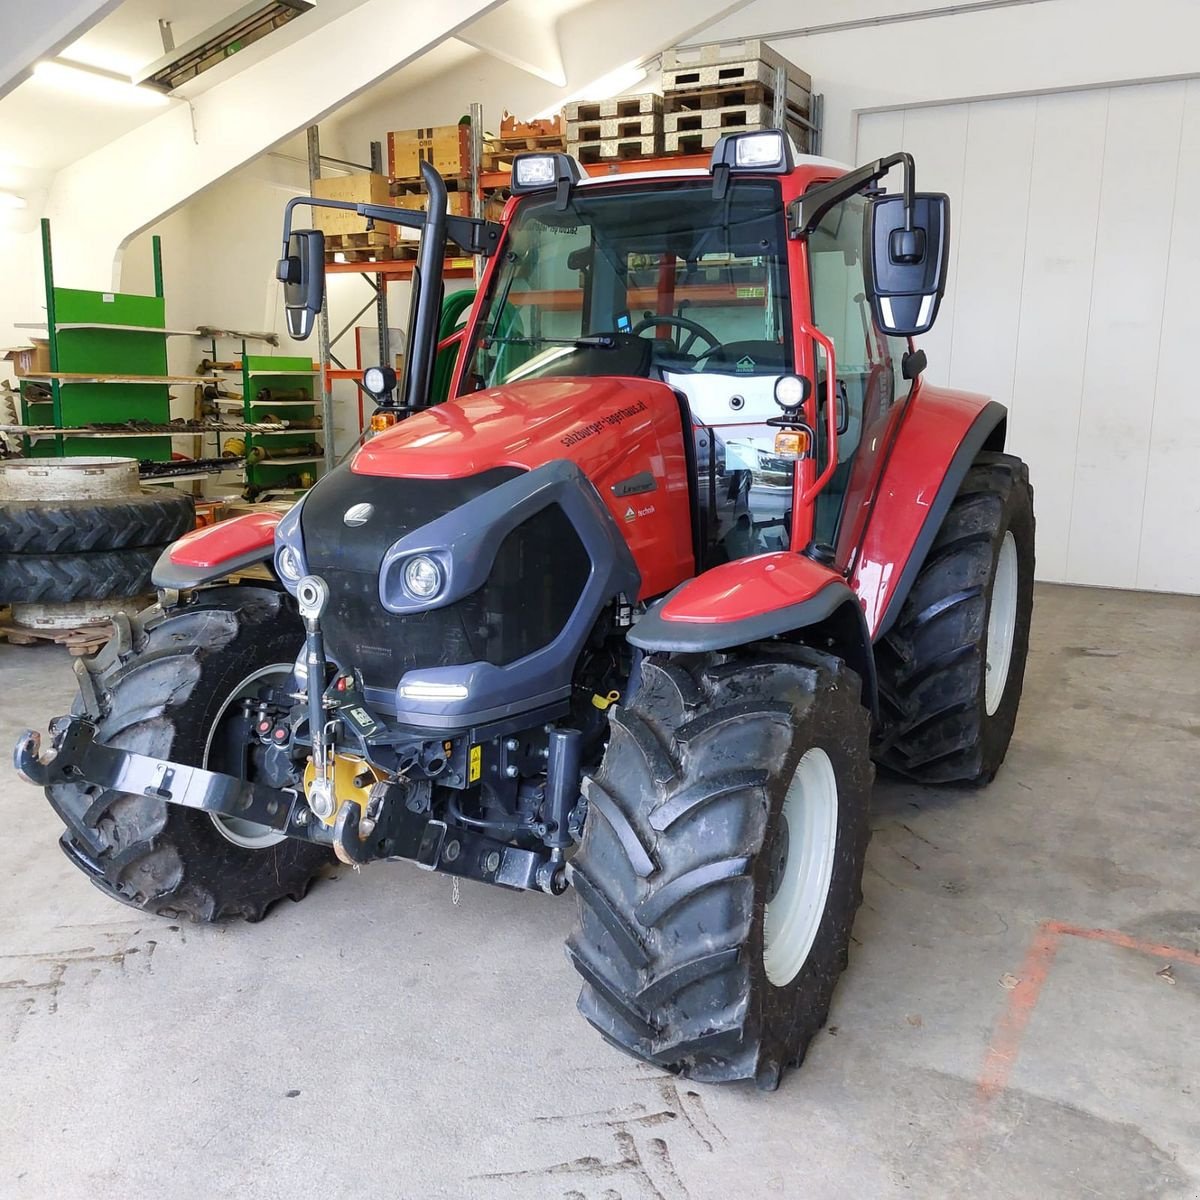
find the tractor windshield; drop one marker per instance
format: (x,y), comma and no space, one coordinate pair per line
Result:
(650,279)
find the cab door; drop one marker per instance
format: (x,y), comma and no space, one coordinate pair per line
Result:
(870,385)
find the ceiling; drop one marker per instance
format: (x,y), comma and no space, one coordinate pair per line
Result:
(44,126)
(128,38)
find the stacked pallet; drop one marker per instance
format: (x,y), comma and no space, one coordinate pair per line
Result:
(709,91)
(621,128)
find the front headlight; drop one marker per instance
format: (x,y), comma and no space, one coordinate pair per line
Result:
(423,577)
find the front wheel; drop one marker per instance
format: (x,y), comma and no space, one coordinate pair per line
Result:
(721,861)
(177,694)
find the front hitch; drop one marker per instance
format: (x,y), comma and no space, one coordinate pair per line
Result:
(77,757)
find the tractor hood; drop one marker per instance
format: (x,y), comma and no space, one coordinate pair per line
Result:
(520,425)
(625,434)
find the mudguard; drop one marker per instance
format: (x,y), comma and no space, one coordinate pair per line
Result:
(209,554)
(935,447)
(764,596)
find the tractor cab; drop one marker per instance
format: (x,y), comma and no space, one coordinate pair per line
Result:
(699,279)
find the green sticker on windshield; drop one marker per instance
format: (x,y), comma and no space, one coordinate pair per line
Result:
(751,293)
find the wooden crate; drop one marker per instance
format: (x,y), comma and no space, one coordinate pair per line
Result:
(357,189)
(446,147)
(458,204)
(510,127)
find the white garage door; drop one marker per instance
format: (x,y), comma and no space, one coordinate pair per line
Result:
(1074,299)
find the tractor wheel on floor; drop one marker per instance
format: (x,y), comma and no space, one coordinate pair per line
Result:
(722,858)
(175,693)
(150,518)
(951,668)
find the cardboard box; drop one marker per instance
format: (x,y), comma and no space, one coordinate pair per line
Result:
(446,147)
(357,189)
(29,360)
(458,204)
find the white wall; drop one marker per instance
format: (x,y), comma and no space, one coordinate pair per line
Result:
(1074,248)
(1029,47)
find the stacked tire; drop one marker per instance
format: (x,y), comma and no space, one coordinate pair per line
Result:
(79,537)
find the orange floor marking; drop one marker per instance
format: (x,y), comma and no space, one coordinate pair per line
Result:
(1010,1029)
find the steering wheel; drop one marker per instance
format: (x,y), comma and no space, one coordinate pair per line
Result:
(697,331)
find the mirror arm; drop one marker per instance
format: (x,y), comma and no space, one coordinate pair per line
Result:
(471,234)
(806,213)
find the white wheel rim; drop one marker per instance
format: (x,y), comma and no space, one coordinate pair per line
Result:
(250,835)
(1002,624)
(794,913)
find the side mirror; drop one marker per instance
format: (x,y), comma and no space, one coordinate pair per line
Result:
(906,267)
(302,273)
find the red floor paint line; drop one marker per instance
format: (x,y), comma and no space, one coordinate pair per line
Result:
(1010,1029)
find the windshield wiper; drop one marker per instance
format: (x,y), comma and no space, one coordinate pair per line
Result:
(596,341)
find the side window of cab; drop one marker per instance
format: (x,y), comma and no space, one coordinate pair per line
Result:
(869,378)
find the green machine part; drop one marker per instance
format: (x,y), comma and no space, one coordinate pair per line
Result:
(453,307)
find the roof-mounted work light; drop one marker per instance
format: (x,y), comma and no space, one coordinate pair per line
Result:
(758,151)
(534,172)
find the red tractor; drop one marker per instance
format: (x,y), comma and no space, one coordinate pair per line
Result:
(689,546)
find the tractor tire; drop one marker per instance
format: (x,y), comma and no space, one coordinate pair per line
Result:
(952,667)
(83,526)
(161,693)
(60,578)
(711,933)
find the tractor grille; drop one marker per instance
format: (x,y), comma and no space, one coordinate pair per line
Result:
(539,574)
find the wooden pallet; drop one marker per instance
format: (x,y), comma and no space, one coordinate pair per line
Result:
(718,62)
(607,128)
(85,639)
(360,247)
(581,112)
(498,153)
(730,95)
(618,149)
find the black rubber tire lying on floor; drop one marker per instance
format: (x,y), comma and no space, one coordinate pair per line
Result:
(681,849)
(932,665)
(59,578)
(149,518)
(162,699)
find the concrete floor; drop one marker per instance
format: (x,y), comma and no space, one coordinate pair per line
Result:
(1019,1018)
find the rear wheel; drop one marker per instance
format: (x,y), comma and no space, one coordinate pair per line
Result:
(176,695)
(721,861)
(951,669)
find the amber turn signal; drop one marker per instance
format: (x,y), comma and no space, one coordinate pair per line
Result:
(791,443)
(381,421)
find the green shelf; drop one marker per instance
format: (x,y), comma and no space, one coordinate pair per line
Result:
(93,335)
(278,372)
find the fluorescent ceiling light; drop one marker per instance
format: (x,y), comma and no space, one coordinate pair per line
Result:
(11,200)
(97,85)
